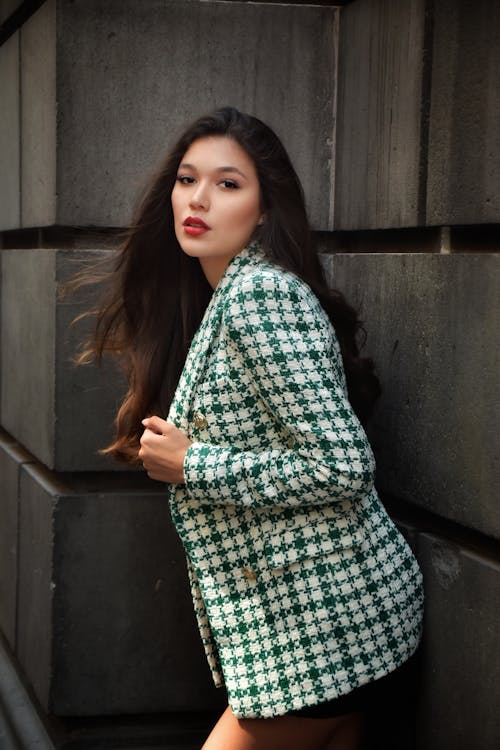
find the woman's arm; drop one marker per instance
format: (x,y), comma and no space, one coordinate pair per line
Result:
(282,340)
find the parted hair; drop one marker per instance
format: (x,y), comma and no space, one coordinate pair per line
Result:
(155,295)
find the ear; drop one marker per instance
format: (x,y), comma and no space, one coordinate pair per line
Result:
(261,220)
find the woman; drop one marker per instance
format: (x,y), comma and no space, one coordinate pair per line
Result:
(306,595)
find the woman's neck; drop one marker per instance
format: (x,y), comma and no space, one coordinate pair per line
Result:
(214,268)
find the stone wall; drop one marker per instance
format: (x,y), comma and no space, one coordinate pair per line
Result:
(389,111)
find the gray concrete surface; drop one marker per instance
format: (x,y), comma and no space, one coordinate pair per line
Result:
(28,349)
(459,689)
(21,727)
(114,119)
(35,591)
(175,731)
(61,413)
(39,110)
(432,323)
(12,457)
(105,619)
(464,137)
(378,114)
(7,7)
(10,185)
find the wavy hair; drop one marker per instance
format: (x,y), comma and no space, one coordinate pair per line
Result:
(156,295)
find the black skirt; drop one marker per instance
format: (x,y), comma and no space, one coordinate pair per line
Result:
(364,698)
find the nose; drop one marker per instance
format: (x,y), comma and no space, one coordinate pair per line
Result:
(199,197)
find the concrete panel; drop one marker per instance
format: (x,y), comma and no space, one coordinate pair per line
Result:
(378,114)
(7,7)
(464,137)
(10,186)
(432,323)
(461,657)
(63,414)
(28,347)
(106,623)
(20,723)
(131,75)
(36,589)
(38,117)
(12,457)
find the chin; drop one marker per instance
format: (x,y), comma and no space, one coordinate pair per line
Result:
(189,247)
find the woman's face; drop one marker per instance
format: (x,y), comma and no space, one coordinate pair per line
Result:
(215,200)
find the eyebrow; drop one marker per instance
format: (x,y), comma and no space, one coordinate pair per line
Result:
(186,165)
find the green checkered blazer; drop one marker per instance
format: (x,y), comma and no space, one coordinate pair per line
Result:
(303,588)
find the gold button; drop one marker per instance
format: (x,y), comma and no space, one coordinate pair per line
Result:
(249,574)
(199,420)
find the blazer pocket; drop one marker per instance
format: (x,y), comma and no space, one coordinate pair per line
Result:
(303,536)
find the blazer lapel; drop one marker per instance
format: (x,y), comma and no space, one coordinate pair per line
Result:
(202,341)
(194,365)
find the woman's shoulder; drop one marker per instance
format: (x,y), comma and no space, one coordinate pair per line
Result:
(267,281)
(266,289)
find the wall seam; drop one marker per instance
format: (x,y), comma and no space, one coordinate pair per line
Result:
(18,18)
(20,130)
(333,164)
(425,110)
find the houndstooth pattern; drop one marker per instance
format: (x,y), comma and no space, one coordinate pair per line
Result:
(302,586)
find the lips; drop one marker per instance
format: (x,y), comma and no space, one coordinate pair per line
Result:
(195,226)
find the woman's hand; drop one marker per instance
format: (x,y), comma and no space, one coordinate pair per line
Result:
(163,449)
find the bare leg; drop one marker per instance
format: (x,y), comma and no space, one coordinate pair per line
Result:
(285,733)
(349,735)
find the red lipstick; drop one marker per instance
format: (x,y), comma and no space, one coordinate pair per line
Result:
(194,226)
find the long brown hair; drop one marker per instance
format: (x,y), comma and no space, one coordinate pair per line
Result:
(156,295)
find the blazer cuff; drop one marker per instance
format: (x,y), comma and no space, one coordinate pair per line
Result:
(205,470)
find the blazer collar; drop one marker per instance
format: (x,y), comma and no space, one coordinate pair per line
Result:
(251,254)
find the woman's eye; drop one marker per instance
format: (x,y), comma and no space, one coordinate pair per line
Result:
(231,184)
(185,179)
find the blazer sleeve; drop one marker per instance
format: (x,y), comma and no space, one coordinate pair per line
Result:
(278,333)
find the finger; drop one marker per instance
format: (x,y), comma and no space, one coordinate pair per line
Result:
(149,437)
(144,456)
(145,438)
(155,424)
